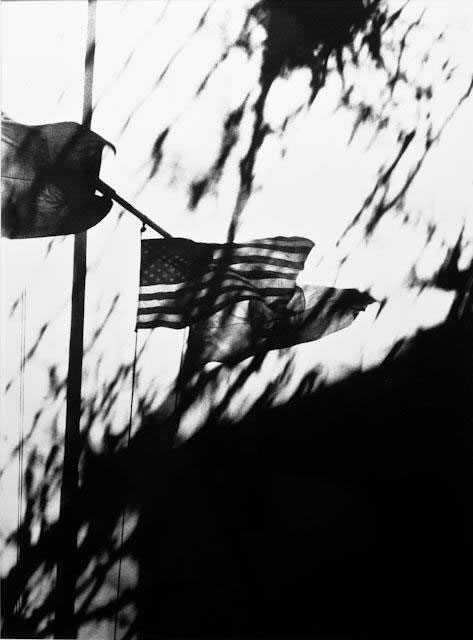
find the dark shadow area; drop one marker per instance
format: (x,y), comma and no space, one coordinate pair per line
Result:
(346,513)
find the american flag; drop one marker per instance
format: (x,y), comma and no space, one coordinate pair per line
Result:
(182,282)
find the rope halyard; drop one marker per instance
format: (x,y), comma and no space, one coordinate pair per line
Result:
(21,434)
(129,429)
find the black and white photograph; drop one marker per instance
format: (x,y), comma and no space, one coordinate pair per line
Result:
(236,319)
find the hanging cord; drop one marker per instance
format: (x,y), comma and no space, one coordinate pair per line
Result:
(122,532)
(21,435)
(130,423)
(180,381)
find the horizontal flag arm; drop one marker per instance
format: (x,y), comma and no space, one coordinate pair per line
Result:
(111,193)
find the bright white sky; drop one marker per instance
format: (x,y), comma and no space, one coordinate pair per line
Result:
(314,190)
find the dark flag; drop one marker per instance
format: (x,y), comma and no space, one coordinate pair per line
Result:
(253,327)
(49,173)
(183,282)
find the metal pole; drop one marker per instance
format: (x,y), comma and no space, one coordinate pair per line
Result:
(111,193)
(65,624)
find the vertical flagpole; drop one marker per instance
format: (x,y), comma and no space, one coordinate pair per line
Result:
(65,625)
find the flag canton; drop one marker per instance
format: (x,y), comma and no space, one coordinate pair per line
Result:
(173,260)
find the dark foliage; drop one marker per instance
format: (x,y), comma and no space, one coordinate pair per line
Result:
(341,514)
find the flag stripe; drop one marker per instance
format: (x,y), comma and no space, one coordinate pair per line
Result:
(206,298)
(215,275)
(262,270)
(291,245)
(245,251)
(290,267)
(181,320)
(247,259)
(157,291)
